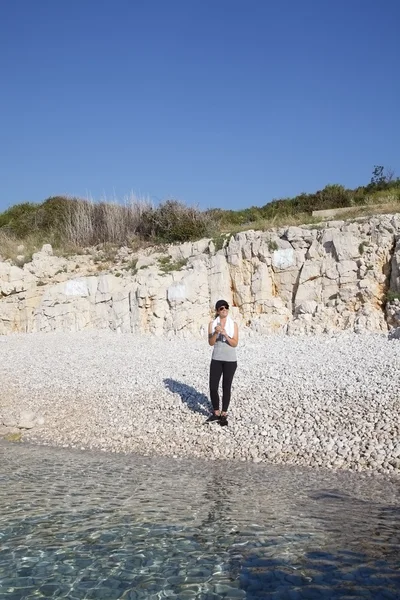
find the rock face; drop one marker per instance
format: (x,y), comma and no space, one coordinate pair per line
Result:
(297,280)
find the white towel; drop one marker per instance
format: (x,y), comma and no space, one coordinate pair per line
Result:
(229,326)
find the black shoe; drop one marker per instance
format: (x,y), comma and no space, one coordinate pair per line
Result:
(223,421)
(213,419)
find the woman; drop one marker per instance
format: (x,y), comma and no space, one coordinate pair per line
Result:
(223,335)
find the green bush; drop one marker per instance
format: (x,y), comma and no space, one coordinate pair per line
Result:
(172,221)
(272,246)
(390,296)
(167,265)
(219,242)
(20,219)
(52,214)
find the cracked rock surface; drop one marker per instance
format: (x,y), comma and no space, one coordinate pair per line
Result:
(333,276)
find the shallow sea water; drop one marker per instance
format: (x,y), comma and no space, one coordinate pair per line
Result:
(93,525)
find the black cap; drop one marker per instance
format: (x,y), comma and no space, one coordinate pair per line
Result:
(221,303)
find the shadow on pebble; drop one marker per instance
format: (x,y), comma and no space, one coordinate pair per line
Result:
(197,402)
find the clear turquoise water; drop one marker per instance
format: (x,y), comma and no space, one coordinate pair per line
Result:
(90,525)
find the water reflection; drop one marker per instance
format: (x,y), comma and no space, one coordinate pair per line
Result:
(90,525)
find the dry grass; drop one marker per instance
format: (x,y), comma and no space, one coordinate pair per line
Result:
(9,248)
(274,223)
(383,197)
(88,223)
(365,211)
(377,204)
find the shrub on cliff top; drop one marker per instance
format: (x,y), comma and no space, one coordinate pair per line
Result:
(63,220)
(19,220)
(46,218)
(83,223)
(173,221)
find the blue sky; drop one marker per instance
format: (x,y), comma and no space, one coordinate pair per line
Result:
(218,103)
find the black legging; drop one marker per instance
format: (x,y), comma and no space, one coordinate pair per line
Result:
(227,370)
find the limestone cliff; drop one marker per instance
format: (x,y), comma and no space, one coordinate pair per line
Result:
(310,279)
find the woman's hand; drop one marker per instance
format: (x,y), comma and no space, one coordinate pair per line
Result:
(221,330)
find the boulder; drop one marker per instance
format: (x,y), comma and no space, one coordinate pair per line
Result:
(26,420)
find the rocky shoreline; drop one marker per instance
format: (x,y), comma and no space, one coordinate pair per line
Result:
(320,401)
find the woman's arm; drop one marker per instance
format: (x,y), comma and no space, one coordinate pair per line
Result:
(212,337)
(232,341)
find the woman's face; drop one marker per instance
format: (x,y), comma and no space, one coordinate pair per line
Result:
(223,311)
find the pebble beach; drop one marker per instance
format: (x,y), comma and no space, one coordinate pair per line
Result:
(329,401)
